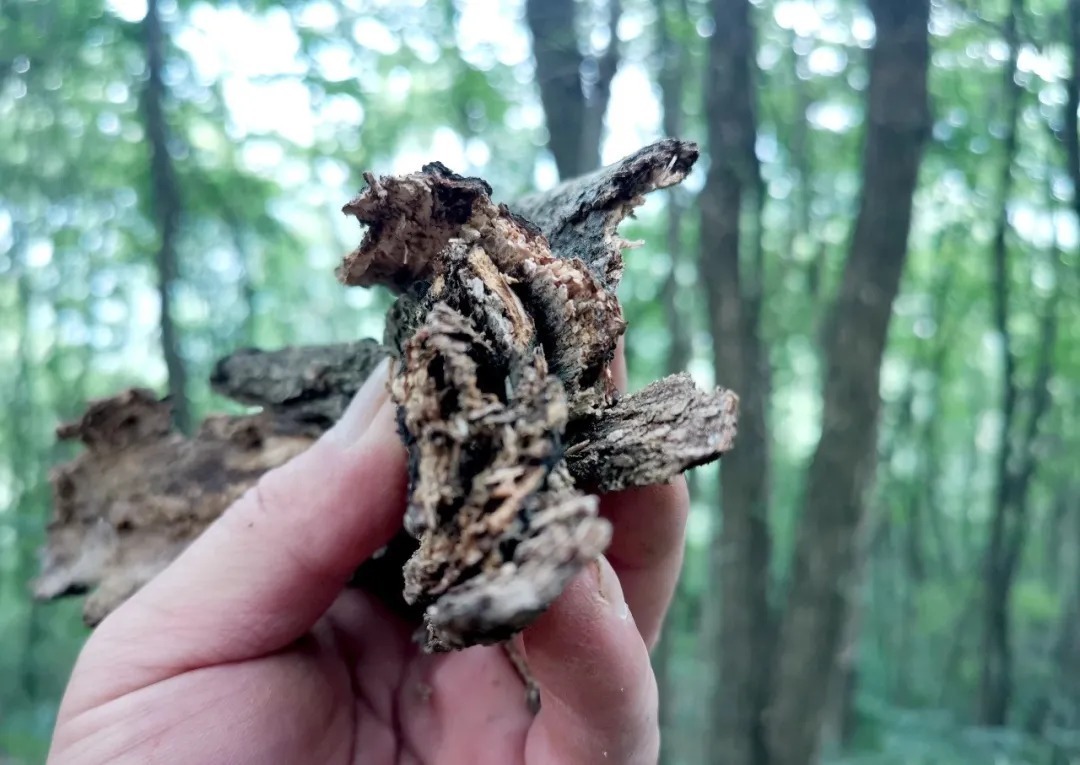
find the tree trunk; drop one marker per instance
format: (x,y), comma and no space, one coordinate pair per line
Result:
(740,559)
(673,74)
(165,194)
(995,683)
(246,331)
(673,69)
(574,88)
(1067,704)
(1065,693)
(930,447)
(842,468)
(1016,484)
(801,235)
(1072,104)
(842,718)
(23,430)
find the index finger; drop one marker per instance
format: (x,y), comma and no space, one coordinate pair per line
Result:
(648,537)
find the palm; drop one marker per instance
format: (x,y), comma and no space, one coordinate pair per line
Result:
(356,688)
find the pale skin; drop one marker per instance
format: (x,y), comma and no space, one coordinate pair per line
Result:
(249,649)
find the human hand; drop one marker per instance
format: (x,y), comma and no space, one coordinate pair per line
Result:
(249,649)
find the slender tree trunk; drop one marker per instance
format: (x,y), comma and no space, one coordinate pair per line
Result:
(891,545)
(24,464)
(845,682)
(1068,648)
(912,563)
(598,92)
(1072,103)
(574,88)
(995,685)
(804,189)
(930,447)
(248,296)
(673,73)
(1065,703)
(673,69)
(740,559)
(842,469)
(165,194)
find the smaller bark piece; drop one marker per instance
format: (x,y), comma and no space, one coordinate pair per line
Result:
(310,385)
(653,435)
(141,492)
(128,505)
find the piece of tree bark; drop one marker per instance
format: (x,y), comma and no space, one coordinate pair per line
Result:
(842,469)
(504,388)
(505,403)
(308,385)
(663,429)
(580,216)
(141,491)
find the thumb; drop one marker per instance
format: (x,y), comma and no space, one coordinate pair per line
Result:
(262,574)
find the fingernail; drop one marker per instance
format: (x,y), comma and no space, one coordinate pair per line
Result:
(610,588)
(363,407)
(382,425)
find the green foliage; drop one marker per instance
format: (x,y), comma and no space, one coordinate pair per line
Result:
(275,109)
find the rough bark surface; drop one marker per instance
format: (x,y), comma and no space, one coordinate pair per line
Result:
(661,430)
(503,332)
(503,387)
(580,217)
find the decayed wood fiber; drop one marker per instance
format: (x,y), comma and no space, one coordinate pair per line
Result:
(504,328)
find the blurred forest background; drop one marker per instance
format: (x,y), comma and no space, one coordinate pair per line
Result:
(879,252)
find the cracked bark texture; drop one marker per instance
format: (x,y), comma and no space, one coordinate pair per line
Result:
(504,329)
